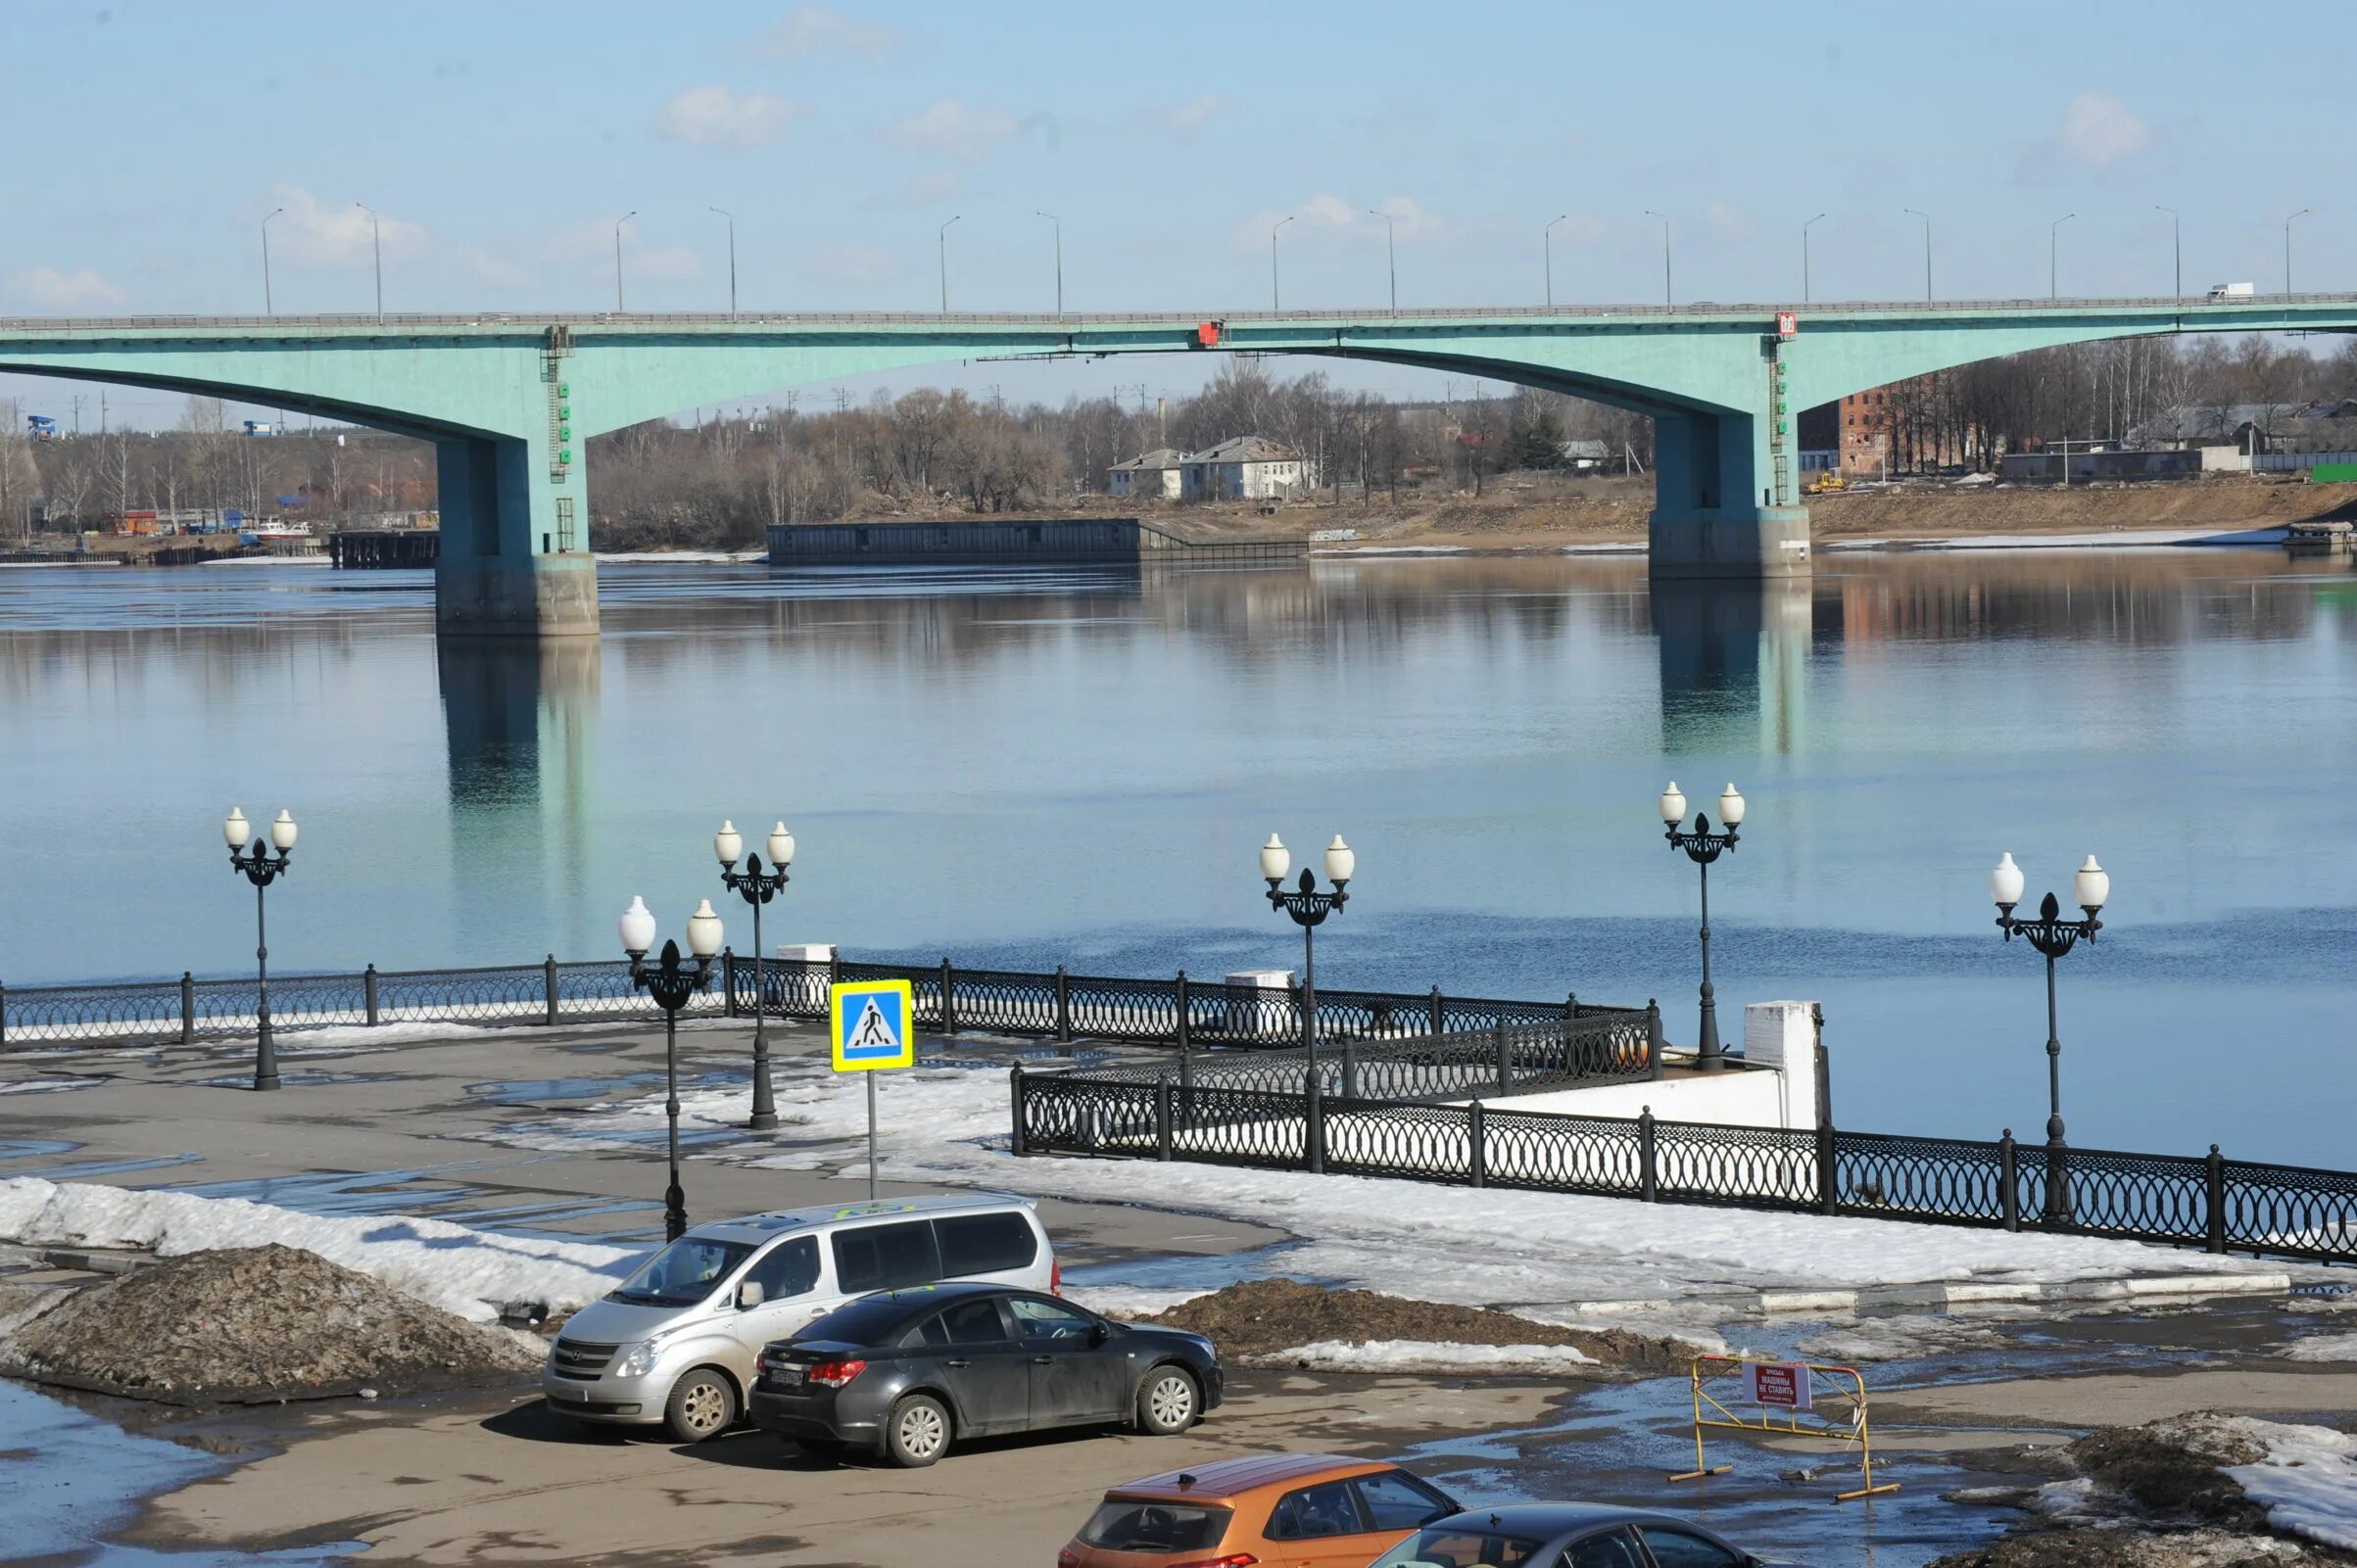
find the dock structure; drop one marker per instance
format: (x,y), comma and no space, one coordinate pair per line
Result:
(1015,541)
(384,548)
(2320,536)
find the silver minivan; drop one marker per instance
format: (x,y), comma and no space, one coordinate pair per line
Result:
(675,1343)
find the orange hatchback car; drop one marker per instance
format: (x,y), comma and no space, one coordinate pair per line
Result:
(1272,1510)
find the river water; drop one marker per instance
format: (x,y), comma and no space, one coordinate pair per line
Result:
(1076,765)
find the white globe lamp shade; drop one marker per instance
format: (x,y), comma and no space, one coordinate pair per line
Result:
(2005,882)
(235,829)
(728,843)
(283,830)
(1730,807)
(703,930)
(1275,859)
(1673,804)
(1340,862)
(637,927)
(781,847)
(2092,885)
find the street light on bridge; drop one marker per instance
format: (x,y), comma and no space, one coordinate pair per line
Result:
(941,240)
(732,218)
(377,244)
(1546,241)
(1927,252)
(1666,294)
(2302,213)
(1276,299)
(1391,254)
(1804,229)
(618,223)
(2054,252)
(2052,937)
(2176,248)
(268,308)
(1059,223)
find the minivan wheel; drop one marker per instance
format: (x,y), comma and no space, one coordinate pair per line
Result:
(701,1405)
(1169,1403)
(917,1432)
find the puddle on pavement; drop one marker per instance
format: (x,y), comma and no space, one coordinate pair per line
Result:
(299,1079)
(541,1091)
(70,1479)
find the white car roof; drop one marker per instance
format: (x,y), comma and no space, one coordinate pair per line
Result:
(757,1228)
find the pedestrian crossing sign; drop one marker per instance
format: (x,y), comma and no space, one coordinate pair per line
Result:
(873,1024)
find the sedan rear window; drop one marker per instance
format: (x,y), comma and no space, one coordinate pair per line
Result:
(871,1322)
(1119,1526)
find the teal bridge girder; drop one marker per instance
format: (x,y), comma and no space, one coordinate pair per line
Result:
(509,401)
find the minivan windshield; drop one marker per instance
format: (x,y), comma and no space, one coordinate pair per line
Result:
(683,1273)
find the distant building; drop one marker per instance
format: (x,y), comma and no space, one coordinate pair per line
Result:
(1876,432)
(1153,474)
(1584,457)
(1241,468)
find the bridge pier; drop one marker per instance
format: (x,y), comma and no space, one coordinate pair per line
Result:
(1716,513)
(514,560)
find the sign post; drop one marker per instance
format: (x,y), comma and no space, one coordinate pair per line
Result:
(873,1024)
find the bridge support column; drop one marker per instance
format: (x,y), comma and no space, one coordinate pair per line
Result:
(1715,511)
(515,558)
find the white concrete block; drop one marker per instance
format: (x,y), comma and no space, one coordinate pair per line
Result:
(808,952)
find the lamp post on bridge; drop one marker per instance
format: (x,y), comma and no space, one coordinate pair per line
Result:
(732,219)
(267,308)
(2052,937)
(1391,253)
(376,246)
(1059,224)
(2054,251)
(1546,242)
(618,223)
(757,887)
(2302,213)
(1703,846)
(672,986)
(942,244)
(261,868)
(1666,294)
(1275,298)
(1309,909)
(1927,252)
(1804,229)
(2176,248)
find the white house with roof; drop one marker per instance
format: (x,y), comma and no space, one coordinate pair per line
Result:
(1240,468)
(1153,475)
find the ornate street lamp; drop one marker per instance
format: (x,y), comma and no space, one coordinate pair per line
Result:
(758,888)
(673,985)
(261,868)
(1703,846)
(2052,937)
(1309,909)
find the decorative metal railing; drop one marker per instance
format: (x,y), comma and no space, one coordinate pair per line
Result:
(2209,1202)
(1192,1015)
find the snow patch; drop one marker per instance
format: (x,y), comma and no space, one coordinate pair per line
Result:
(2323,1347)
(2307,1483)
(1429,1356)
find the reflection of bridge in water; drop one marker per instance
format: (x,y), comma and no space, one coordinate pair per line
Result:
(510,402)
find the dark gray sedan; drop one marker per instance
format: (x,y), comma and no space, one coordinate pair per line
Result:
(904,1373)
(1563,1535)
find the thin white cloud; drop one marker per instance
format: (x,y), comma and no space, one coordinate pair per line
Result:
(1325,209)
(848,261)
(814,30)
(714,117)
(2099,131)
(950,129)
(64,291)
(664,263)
(1409,219)
(1724,220)
(324,233)
(1187,120)
(928,189)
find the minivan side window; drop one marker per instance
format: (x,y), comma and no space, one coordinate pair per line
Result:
(787,1270)
(985,1244)
(885,1256)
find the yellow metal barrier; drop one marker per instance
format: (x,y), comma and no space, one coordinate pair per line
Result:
(1787,1395)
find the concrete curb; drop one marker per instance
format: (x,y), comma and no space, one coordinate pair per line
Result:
(1946,1296)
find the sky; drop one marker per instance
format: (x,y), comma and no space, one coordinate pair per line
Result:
(500,143)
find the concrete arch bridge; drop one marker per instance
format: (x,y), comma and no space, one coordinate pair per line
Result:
(509,402)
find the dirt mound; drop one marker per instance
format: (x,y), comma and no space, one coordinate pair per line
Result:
(2142,1548)
(256,1326)
(1257,1318)
(2171,1466)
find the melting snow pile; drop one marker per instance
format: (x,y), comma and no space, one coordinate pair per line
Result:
(254,1325)
(472,1273)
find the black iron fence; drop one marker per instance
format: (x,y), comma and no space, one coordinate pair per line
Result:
(2209,1202)
(1180,1012)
